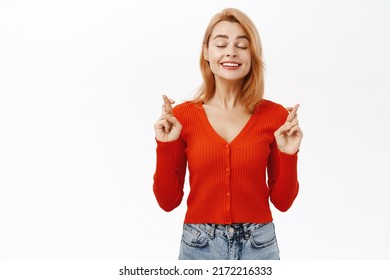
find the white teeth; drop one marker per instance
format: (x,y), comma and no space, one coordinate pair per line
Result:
(230,64)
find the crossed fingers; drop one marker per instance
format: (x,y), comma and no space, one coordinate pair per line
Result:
(167,106)
(292,113)
(166,118)
(292,119)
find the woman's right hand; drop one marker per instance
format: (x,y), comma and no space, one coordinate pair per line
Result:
(167,128)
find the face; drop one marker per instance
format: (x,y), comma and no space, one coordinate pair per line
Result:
(228,52)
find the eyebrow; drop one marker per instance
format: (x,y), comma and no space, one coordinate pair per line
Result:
(227,37)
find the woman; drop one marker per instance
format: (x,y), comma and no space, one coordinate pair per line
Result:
(241,150)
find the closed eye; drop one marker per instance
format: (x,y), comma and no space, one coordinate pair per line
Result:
(220,44)
(242,46)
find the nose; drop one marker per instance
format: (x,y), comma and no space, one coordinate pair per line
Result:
(231,52)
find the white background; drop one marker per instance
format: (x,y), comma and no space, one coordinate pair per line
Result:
(80,89)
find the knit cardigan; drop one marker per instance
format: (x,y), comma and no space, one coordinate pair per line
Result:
(229,182)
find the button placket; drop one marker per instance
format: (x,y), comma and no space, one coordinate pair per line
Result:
(227,186)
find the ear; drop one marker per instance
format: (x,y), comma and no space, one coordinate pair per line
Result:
(205,53)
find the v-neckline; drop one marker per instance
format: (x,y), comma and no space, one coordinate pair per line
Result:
(208,126)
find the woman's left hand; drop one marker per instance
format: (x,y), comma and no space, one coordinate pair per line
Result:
(289,136)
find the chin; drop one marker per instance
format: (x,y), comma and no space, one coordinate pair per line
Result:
(232,79)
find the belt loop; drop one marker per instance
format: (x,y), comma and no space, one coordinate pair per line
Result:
(246,231)
(211,230)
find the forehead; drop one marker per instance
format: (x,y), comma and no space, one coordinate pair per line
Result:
(231,29)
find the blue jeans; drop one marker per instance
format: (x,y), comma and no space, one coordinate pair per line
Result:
(229,242)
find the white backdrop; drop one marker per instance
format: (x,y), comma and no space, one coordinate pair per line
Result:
(80,89)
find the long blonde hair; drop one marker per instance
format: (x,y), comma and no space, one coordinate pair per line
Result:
(253,85)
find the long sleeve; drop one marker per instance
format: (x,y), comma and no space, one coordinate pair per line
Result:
(282,178)
(170,173)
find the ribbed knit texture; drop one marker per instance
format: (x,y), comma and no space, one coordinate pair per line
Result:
(229,182)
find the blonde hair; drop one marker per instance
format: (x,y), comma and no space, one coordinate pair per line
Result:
(253,85)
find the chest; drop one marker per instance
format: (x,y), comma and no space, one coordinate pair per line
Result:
(227,125)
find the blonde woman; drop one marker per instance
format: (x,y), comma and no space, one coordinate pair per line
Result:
(241,150)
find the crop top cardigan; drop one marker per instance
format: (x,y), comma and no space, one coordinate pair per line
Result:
(229,182)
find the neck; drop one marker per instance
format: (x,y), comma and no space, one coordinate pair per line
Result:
(227,94)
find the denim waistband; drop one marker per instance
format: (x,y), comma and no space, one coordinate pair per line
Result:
(231,230)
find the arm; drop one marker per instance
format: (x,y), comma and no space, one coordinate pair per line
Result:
(282,178)
(170,173)
(171,159)
(282,162)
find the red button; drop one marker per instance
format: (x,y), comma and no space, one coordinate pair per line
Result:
(228,194)
(227,169)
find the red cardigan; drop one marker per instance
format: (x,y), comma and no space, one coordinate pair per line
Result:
(229,182)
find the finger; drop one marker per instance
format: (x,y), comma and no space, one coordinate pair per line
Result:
(295,119)
(167,104)
(166,98)
(167,122)
(295,130)
(292,113)
(161,124)
(169,118)
(172,120)
(167,126)
(283,129)
(294,122)
(158,124)
(162,112)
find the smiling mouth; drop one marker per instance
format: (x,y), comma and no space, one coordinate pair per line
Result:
(230,64)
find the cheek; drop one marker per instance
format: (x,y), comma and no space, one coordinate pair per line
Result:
(249,63)
(214,59)
(213,55)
